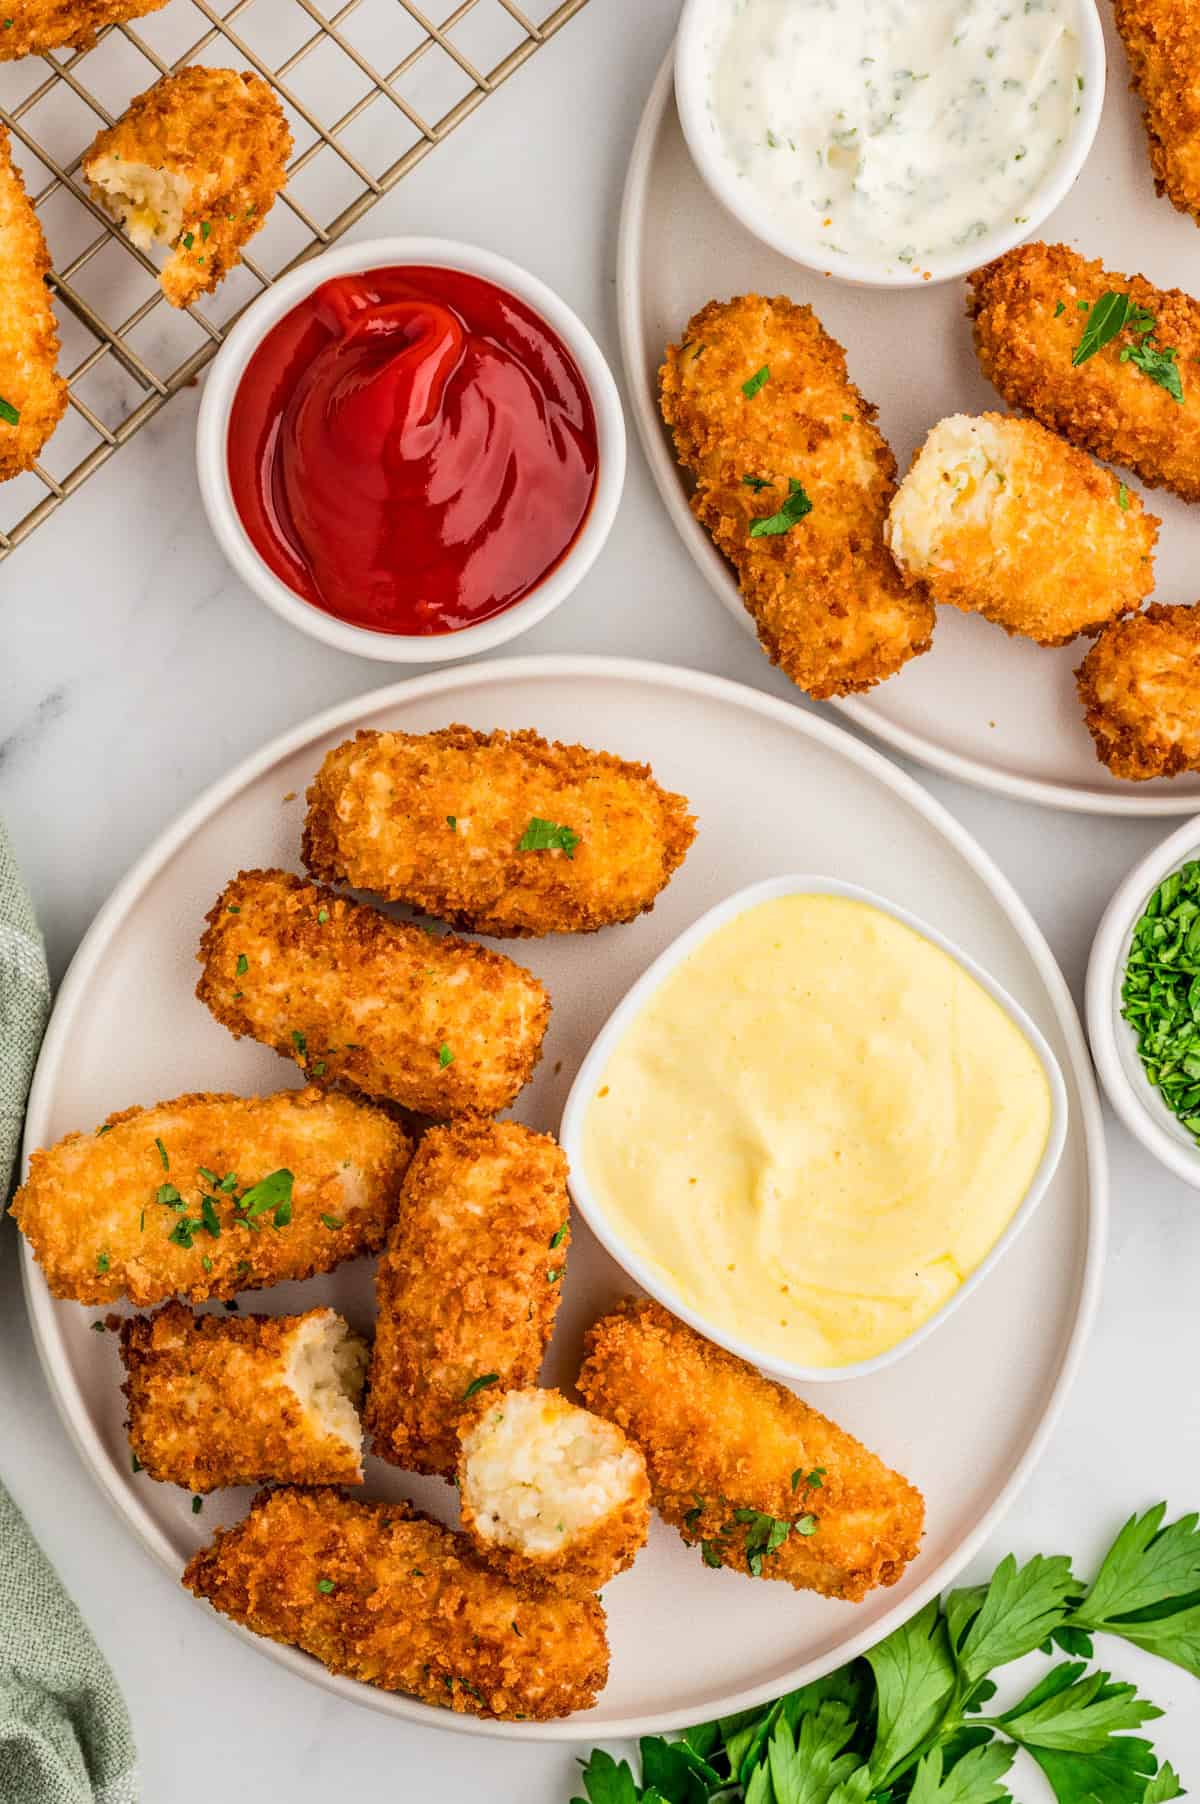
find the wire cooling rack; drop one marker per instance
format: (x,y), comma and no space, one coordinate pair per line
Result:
(369,88)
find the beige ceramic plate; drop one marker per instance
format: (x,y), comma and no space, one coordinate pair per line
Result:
(991,710)
(775,789)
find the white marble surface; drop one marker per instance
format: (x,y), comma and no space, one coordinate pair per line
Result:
(134,671)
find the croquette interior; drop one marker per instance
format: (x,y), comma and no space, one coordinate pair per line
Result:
(957,479)
(149,203)
(326,1370)
(538,1472)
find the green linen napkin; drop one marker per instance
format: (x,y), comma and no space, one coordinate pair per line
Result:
(65,1735)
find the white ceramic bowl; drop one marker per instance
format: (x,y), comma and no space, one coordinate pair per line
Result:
(1114,1043)
(692,70)
(212,467)
(584,1088)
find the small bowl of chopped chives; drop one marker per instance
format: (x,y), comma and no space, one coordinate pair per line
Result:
(1143,1002)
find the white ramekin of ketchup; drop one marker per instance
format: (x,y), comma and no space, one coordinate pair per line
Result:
(410,449)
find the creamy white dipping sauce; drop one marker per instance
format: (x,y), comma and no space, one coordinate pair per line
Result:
(895,132)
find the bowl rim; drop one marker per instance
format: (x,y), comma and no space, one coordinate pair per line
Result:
(644,1274)
(690,82)
(228,367)
(1133,1097)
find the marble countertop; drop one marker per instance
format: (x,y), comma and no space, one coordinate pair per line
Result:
(135,670)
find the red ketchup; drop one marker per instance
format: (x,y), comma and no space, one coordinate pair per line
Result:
(412,450)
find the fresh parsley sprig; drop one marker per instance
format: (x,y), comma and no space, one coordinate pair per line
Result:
(908,1724)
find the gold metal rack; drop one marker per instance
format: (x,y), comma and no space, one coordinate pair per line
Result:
(357,131)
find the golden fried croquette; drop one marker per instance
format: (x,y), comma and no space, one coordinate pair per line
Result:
(194,163)
(744,1467)
(33,395)
(501,833)
(210,1195)
(469,1285)
(38,25)
(766,421)
(384,1595)
(218,1400)
(1162,41)
(548,1490)
(1029,313)
(999,517)
(437,1025)
(1140,688)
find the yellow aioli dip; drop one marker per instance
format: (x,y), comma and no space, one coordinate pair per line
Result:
(816,1128)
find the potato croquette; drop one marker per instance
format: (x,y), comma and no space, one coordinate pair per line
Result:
(999,517)
(498,832)
(1162,41)
(548,1490)
(1140,688)
(210,1195)
(793,481)
(743,1467)
(38,25)
(435,1024)
(469,1285)
(1029,312)
(383,1595)
(219,1400)
(194,163)
(32,393)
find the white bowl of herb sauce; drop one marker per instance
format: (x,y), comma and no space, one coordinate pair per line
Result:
(890,142)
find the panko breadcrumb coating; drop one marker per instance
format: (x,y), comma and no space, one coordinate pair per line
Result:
(121,1212)
(445,821)
(385,1596)
(469,1285)
(30,387)
(1028,307)
(435,1024)
(1162,41)
(1140,688)
(765,417)
(194,163)
(38,25)
(548,1490)
(218,1400)
(999,517)
(743,1467)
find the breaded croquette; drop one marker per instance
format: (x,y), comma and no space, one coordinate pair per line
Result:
(384,1595)
(469,1285)
(548,1490)
(38,25)
(437,1025)
(500,833)
(217,1400)
(194,163)
(1031,309)
(743,1467)
(32,393)
(793,481)
(1140,688)
(210,1195)
(1162,41)
(999,517)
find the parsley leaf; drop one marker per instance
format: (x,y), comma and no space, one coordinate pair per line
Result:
(1075,1711)
(789,515)
(758,380)
(1020,1607)
(758,483)
(481,1384)
(1159,362)
(547,836)
(973,1779)
(809,1765)
(1109,316)
(915,1675)
(1117,1775)
(1147,1564)
(271,1192)
(8,413)
(607,1783)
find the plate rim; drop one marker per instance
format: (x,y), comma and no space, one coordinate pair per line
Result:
(560,667)
(1076,798)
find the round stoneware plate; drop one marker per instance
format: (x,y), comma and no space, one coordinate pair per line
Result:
(980,706)
(775,789)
